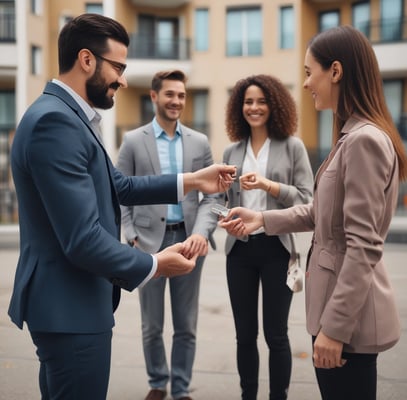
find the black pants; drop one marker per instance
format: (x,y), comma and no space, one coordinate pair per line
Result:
(73,366)
(356,380)
(263,259)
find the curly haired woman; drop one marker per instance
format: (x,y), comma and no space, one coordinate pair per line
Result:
(274,173)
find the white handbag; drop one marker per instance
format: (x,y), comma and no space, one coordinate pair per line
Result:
(295,275)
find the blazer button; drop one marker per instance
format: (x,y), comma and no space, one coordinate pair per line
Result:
(162,219)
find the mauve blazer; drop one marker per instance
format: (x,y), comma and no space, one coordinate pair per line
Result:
(69,197)
(348,293)
(288,164)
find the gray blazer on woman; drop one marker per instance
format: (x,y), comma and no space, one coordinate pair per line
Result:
(348,293)
(288,164)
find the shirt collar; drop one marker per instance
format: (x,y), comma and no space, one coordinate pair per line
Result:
(86,108)
(158,131)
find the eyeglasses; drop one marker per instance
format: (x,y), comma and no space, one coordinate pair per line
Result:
(119,67)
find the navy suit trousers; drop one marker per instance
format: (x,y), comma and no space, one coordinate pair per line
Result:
(73,366)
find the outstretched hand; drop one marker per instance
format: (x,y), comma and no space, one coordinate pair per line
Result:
(172,262)
(241,221)
(217,178)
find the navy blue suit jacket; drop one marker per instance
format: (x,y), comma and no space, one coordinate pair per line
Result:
(69,197)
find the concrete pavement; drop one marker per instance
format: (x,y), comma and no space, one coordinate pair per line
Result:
(215,376)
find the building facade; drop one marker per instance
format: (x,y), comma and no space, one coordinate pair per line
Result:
(215,42)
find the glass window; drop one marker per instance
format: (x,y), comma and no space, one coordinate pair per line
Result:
(201,29)
(287,27)
(328,19)
(147,109)
(36,7)
(325,121)
(393,92)
(36,60)
(392,18)
(244,32)
(361,17)
(94,8)
(7,109)
(200,117)
(158,37)
(7,22)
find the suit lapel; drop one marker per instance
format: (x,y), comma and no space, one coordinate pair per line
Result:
(151,148)
(186,144)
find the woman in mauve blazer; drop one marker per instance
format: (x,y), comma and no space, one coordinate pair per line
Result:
(274,172)
(351,311)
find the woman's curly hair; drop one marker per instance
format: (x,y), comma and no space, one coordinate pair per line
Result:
(283,117)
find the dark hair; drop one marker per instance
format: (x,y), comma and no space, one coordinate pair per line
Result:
(173,75)
(87,31)
(283,118)
(361,86)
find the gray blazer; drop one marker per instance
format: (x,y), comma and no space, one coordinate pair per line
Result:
(348,293)
(138,155)
(288,164)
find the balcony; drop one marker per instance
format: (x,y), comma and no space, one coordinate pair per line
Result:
(160,3)
(389,40)
(390,30)
(147,54)
(7,25)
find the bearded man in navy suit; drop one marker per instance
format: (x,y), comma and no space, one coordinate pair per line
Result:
(71,262)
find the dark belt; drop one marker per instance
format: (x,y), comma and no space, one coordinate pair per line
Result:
(257,236)
(175,227)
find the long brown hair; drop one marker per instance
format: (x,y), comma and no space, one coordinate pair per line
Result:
(361,86)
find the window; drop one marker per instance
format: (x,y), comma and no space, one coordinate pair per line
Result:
(147,109)
(361,17)
(201,29)
(325,121)
(158,38)
(7,22)
(393,92)
(392,19)
(328,19)
(200,117)
(7,109)
(36,60)
(287,27)
(244,32)
(36,7)
(94,8)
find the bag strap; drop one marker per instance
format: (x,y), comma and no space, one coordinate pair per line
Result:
(295,256)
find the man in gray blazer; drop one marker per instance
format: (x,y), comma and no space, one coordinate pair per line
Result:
(166,146)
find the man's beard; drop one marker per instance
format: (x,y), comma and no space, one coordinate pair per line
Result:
(96,91)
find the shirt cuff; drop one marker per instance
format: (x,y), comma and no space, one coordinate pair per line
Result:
(180,186)
(151,274)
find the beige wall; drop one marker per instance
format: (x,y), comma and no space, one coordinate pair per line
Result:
(210,70)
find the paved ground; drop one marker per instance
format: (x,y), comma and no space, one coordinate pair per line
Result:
(215,376)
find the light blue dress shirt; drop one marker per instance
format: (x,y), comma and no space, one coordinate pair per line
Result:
(170,153)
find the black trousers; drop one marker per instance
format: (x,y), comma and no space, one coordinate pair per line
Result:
(356,380)
(73,366)
(263,259)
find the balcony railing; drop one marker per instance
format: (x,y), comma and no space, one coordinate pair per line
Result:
(142,46)
(385,30)
(7,25)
